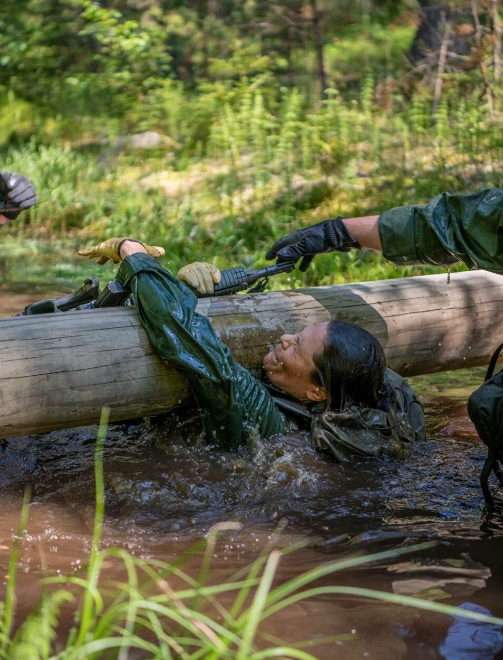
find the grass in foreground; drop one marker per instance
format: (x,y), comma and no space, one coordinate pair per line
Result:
(159,612)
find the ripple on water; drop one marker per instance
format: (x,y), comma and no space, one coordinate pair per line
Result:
(163,475)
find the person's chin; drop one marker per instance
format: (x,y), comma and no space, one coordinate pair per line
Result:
(272,378)
(270,371)
(268,362)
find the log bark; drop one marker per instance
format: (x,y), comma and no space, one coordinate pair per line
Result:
(57,371)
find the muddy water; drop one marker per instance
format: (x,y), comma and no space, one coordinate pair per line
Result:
(165,488)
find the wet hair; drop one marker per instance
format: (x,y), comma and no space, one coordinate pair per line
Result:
(351,368)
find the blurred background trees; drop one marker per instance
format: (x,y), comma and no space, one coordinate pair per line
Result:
(212,125)
(80,56)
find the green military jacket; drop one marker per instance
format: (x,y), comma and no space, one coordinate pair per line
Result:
(231,400)
(450,228)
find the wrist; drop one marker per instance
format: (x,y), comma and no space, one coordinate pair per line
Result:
(130,246)
(365,230)
(339,237)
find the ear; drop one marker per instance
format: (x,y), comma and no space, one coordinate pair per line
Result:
(315,393)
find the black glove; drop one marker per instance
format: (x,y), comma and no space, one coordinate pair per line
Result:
(326,236)
(16,190)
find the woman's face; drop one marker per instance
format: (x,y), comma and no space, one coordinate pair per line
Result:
(290,365)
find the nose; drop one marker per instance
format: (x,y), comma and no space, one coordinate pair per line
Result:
(286,341)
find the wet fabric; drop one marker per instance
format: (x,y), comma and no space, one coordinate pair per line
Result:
(371,432)
(485,408)
(472,640)
(232,402)
(449,229)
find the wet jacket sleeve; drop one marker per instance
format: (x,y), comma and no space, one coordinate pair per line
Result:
(230,399)
(450,228)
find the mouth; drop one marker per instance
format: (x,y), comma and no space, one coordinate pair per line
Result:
(271,360)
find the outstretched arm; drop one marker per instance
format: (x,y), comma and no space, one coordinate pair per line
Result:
(449,229)
(228,396)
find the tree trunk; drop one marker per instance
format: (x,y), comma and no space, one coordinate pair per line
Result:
(429,34)
(318,44)
(289,55)
(441,66)
(57,371)
(480,55)
(497,39)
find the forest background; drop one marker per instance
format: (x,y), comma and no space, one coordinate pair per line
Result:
(214,127)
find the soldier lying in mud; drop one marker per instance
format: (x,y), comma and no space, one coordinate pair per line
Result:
(336,370)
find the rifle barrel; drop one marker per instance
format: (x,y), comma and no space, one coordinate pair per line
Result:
(253,276)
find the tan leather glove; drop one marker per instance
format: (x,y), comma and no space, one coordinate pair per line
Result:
(200,276)
(110,250)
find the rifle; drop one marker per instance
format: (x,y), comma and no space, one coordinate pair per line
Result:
(8,209)
(89,296)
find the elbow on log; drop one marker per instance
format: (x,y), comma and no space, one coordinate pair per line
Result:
(57,371)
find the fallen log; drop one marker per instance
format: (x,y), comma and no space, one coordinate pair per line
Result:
(58,370)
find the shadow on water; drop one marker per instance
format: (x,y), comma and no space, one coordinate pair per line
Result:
(165,488)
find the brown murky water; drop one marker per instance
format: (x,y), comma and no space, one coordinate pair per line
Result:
(165,488)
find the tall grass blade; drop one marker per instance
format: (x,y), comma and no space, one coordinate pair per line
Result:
(296,583)
(409,601)
(88,607)
(211,542)
(254,614)
(10,597)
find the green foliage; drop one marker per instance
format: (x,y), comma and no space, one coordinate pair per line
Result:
(131,55)
(258,168)
(109,58)
(380,47)
(244,154)
(77,56)
(35,637)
